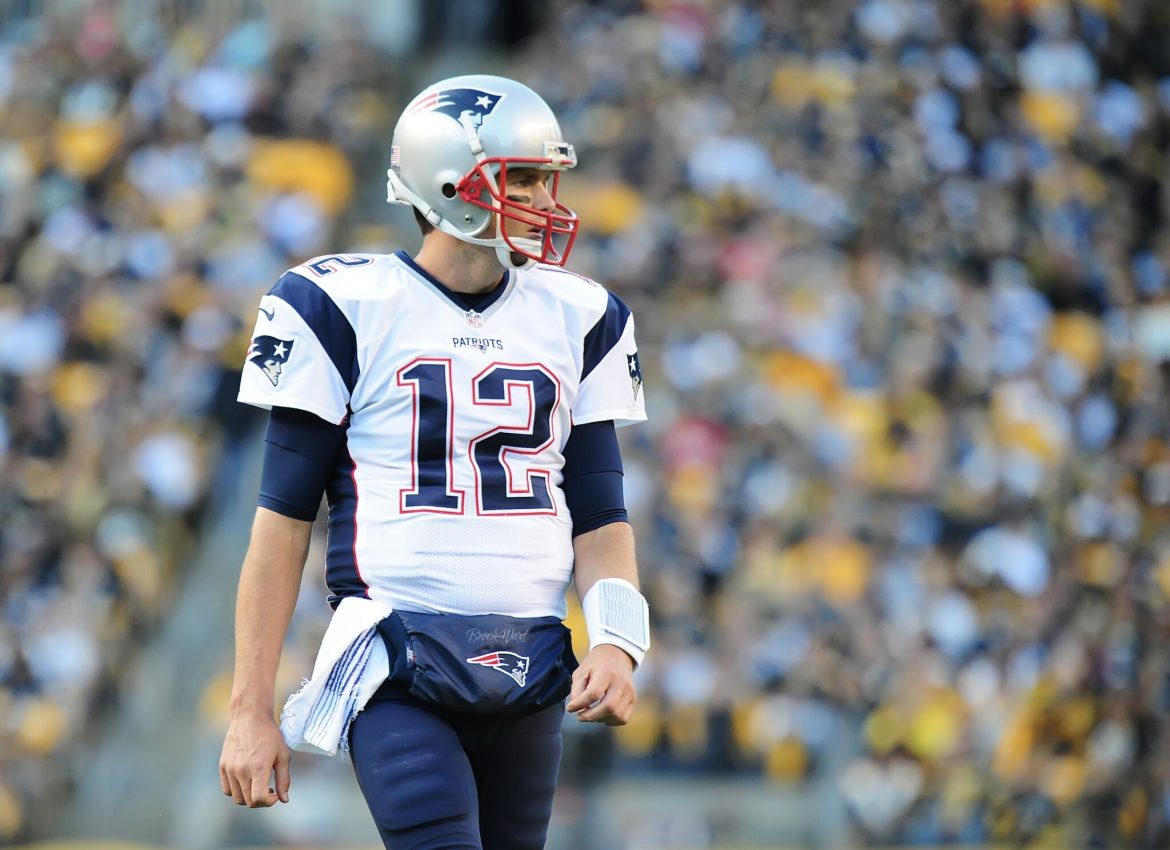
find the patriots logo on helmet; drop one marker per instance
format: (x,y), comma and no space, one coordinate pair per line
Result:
(508,663)
(467,106)
(270,353)
(635,366)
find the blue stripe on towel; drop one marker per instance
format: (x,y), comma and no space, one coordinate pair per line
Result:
(338,676)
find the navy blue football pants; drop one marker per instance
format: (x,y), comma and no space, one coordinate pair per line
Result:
(438,781)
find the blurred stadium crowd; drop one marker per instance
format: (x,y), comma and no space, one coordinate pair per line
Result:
(152,180)
(902,276)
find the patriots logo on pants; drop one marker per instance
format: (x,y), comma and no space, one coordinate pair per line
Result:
(467,106)
(270,353)
(508,663)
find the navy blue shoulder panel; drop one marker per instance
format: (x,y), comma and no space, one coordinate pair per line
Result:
(325,318)
(604,335)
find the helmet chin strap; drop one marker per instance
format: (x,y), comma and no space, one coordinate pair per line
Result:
(508,257)
(504,253)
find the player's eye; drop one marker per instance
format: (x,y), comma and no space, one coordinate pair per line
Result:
(527,178)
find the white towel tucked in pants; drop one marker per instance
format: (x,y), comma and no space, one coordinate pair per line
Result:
(351,665)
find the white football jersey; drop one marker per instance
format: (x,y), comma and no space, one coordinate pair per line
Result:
(449,498)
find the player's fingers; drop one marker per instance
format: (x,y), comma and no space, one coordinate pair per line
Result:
(631,704)
(245,787)
(600,712)
(587,697)
(581,682)
(616,708)
(261,796)
(599,709)
(283,775)
(224,784)
(236,790)
(620,713)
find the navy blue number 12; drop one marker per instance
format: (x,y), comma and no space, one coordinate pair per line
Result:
(500,488)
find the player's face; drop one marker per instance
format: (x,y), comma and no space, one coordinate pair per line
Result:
(528,186)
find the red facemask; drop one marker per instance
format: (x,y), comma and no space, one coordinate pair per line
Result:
(558,226)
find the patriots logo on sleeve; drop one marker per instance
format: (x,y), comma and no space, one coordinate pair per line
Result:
(635,366)
(467,106)
(270,353)
(508,663)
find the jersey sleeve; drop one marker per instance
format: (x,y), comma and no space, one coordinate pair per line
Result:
(303,353)
(611,374)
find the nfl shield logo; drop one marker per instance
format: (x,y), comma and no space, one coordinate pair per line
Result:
(474,319)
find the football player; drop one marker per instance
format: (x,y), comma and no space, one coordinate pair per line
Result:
(457,409)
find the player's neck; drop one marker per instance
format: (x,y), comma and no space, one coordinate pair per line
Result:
(460,267)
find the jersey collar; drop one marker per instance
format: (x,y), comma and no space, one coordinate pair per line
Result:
(466,303)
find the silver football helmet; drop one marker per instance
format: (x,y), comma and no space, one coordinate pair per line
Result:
(450,157)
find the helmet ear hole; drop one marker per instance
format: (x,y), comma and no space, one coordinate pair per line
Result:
(448,190)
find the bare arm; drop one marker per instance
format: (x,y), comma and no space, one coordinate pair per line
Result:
(603,686)
(269,583)
(607,552)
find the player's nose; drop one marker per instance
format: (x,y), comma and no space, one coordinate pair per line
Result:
(542,199)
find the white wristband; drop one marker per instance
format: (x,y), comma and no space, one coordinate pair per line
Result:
(616,613)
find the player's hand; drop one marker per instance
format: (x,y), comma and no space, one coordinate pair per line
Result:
(253,750)
(603,687)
